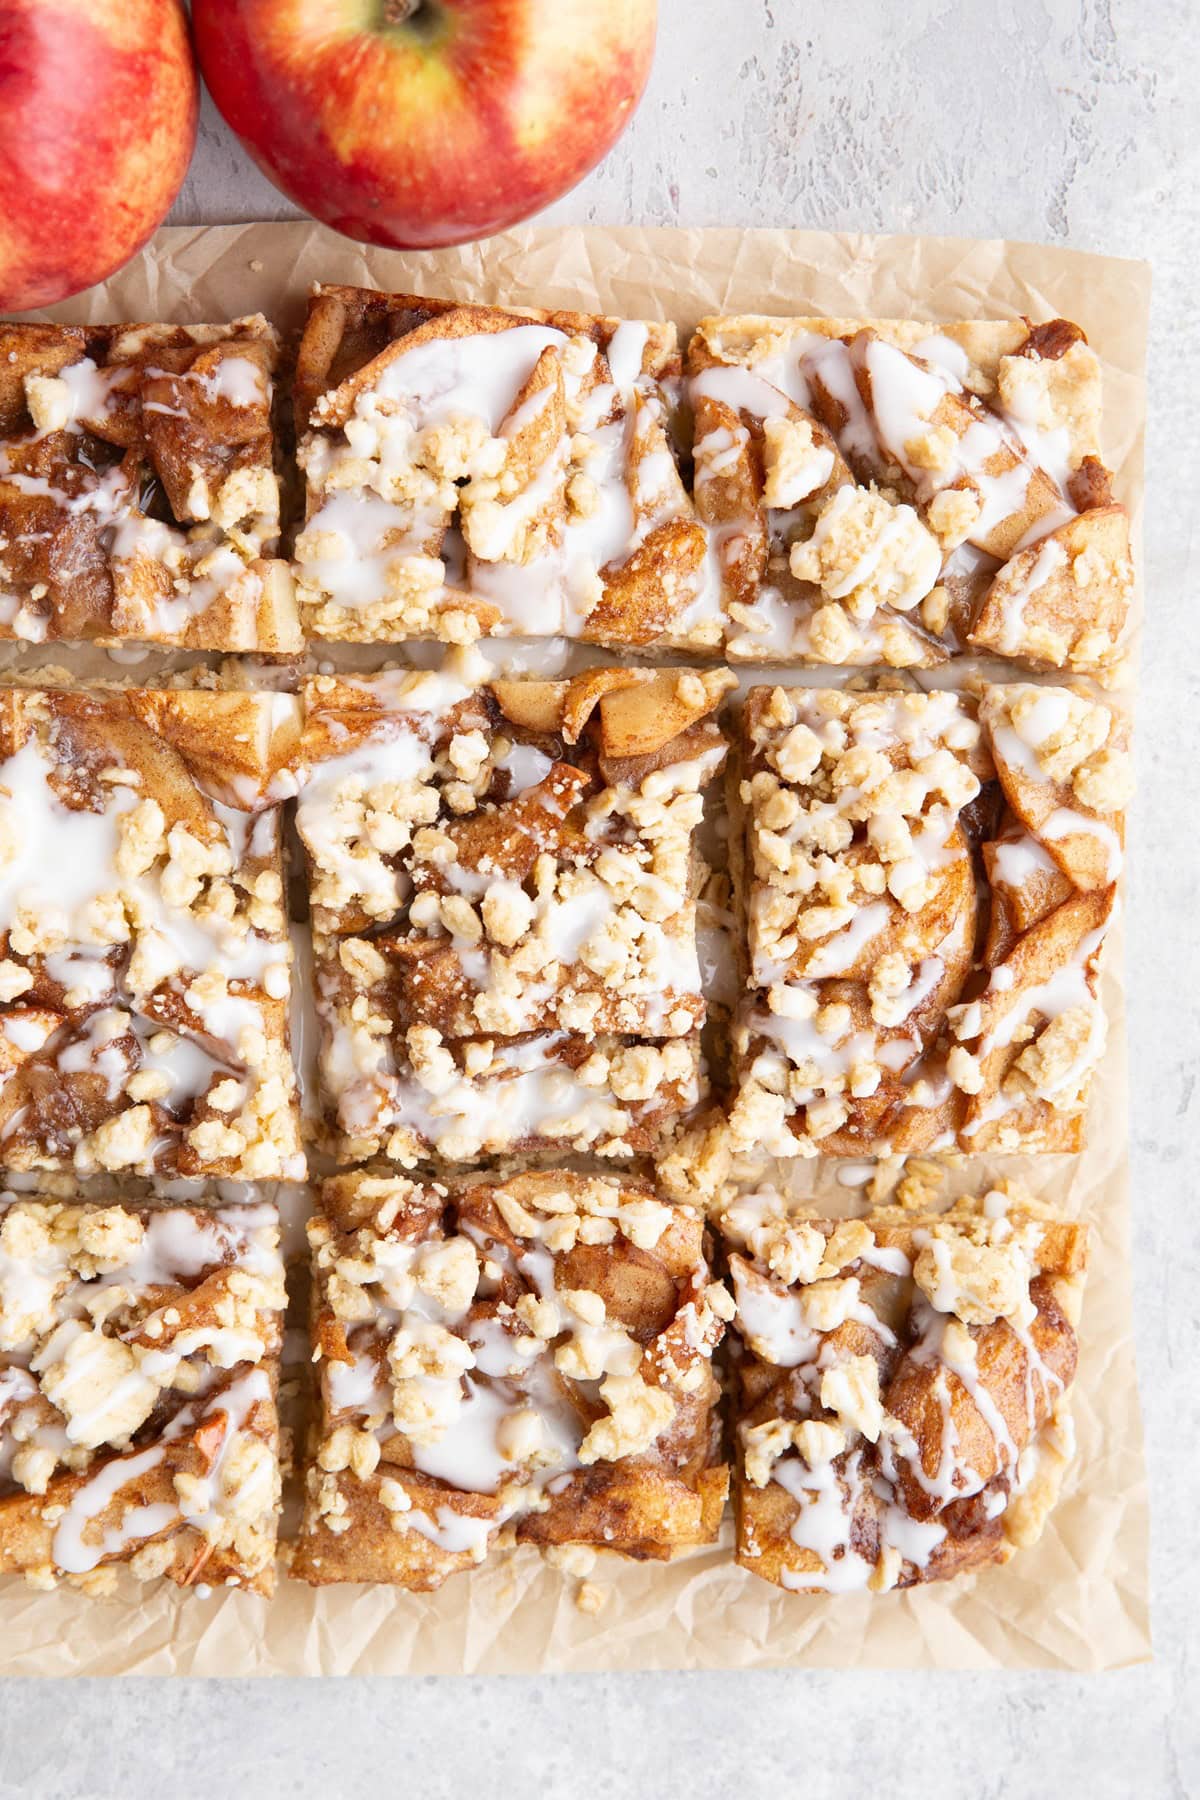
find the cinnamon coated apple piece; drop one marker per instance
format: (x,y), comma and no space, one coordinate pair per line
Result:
(1064,600)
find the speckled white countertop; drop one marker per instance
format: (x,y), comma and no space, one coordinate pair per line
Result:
(1071,121)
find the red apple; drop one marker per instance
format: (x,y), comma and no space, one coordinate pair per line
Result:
(98,104)
(414,123)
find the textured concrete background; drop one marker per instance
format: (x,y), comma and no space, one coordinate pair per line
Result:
(1067,120)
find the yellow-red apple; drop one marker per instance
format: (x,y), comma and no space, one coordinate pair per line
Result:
(421,122)
(98,105)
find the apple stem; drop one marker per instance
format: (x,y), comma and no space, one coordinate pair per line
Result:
(399,12)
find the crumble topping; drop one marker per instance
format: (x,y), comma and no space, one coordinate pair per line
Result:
(868,553)
(797,463)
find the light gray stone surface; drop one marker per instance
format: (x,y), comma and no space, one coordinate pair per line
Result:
(1067,120)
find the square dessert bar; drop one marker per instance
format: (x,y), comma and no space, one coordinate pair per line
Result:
(144,954)
(530,1355)
(888,491)
(139,1355)
(901,1389)
(503,882)
(138,493)
(475,471)
(928,886)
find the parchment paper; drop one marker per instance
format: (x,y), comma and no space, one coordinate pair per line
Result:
(1079,1599)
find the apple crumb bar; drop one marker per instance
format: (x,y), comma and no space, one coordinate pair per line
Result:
(508,916)
(144,953)
(138,492)
(529,1356)
(503,882)
(139,1351)
(474,471)
(928,886)
(901,1388)
(893,492)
